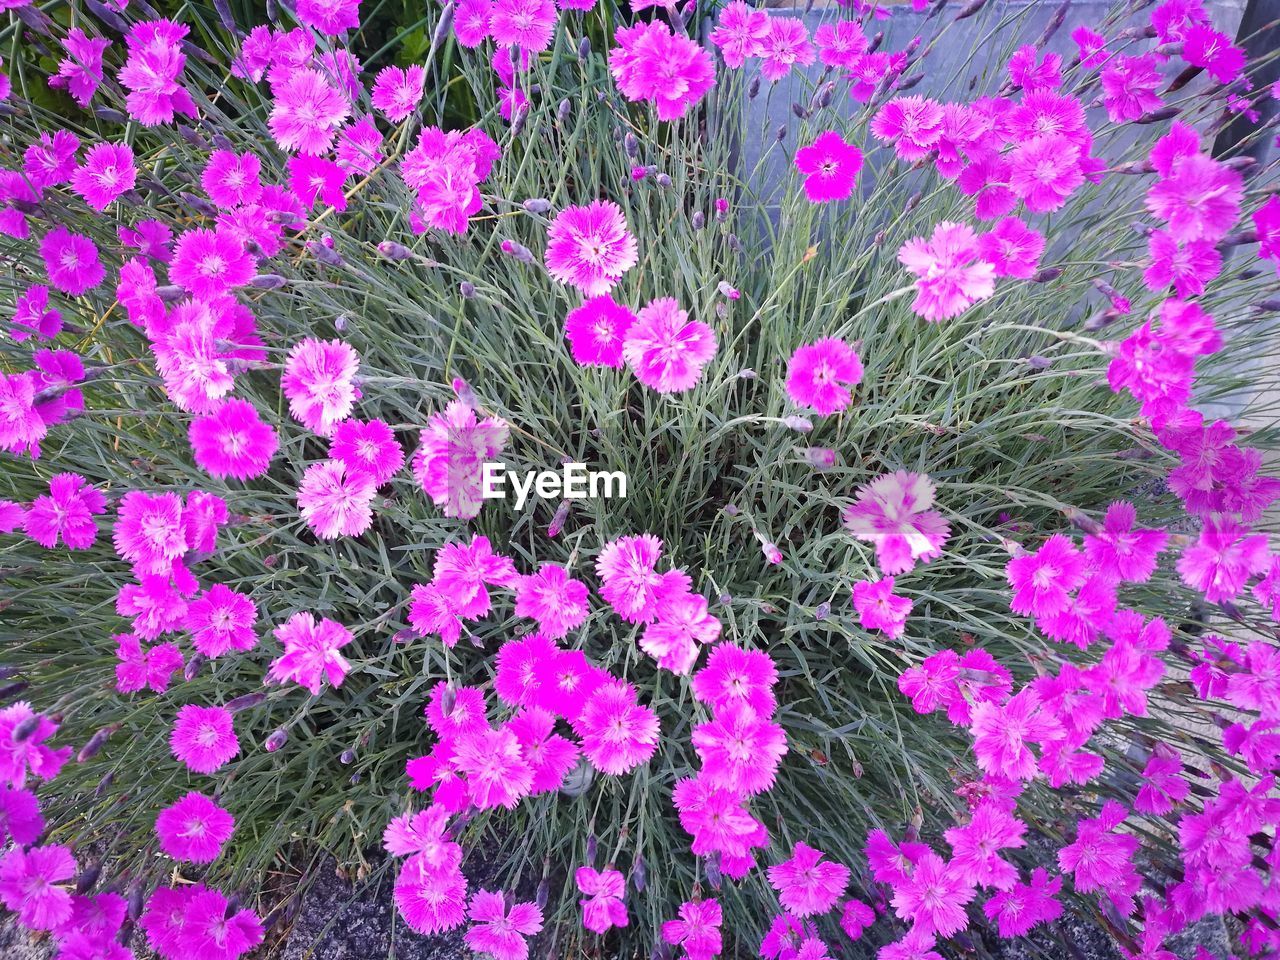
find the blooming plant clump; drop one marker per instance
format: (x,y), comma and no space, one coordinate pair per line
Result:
(943,602)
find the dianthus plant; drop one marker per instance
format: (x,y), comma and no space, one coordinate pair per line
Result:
(941,601)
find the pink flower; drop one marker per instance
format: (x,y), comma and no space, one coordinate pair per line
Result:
(1163,787)
(51,159)
(329,16)
(893,513)
(155,605)
(830,166)
(629,581)
(665,349)
(879,609)
(1186,267)
(603,907)
(210,262)
(651,63)
(67,511)
(106,173)
(1028,71)
(316,180)
(596,329)
(553,598)
(590,247)
(1045,171)
(151,73)
(454,448)
(528,24)
(80,71)
(211,928)
(1025,905)
(740,32)
(951,276)
(32,885)
(1092,48)
(232,442)
(334,501)
(471,22)
(740,749)
(806,884)
(496,771)
(148,531)
(1042,580)
(20,819)
(683,623)
(841,44)
(1121,552)
(204,738)
(975,846)
(497,931)
(33,315)
(1102,860)
(360,146)
(617,733)
(1267,221)
(1012,248)
(194,829)
(550,757)
(71,261)
(1129,87)
(934,897)
(28,754)
(820,374)
(912,124)
(1202,46)
(319,381)
(368,447)
(310,652)
(431,896)
(1225,556)
(220,620)
(461,571)
(1199,197)
(232,179)
(697,930)
(784,46)
(397,90)
(139,669)
(307,113)
(855,918)
(1002,734)
(737,677)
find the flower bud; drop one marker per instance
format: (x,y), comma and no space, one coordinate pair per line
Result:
(823,611)
(771,553)
(562,111)
(820,458)
(639,874)
(630,145)
(517,251)
(663,180)
(584,48)
(325,253)
(347,757)
(96,743)
(246,702)
(27,728)
(537,205)
(753,88)
(394,251)
(268,281)
(591,848)
(698,220)
(199,204)
(441,32)
(194,665)
(467,289)
(798,423)
(557,521)
(276,740)
(88,878)
(781,132)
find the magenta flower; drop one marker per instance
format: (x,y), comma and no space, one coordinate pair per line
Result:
(106,173)
(590,247)
(1121,552)
(210,262)
(629,581)
(740,749)
(830,166)
(528,24)
(785,45)
(617,733)
(933,897)
(148,531)
(51,159)
(319,381)
(497,931)
(841,44)
(879,609)
(471,22)
(1025,906)
(1102,860)
(307,113)
(603,907)
(820,375)
(806,884)
(1202,46)
(233,442)
(32,314)
(194,829)
(1223,559)
(150,668)
(155,605)
(683,624)
(80,71)
(329,16)
(496,771)
(893,513)
(334,501)
(740,33)
(204,738)
(1012,248)
(220,620)
(553,598)
(651,63)
(697,930)
(1003,733)
(1267,221)
(369,447)
(20,756)
(1031,72)
(737,677)
(950,274)
(1199,197)
(310,653)
(448,464)
(71,261)
(67,511)
(1129,86)
(32,885)
(975,846)
(665,349)
(1045,171)
(151,73)
(1041,581)
(912,124)
(595,331)
(431,895)
(1163,785)
(1186,267)
(232,179)
(211,928)
(360,146)
(397,90)
(550,757)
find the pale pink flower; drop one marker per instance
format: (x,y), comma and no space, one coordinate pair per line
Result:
(950,274)
(310,652)
(335,501)
(590,247)
(665,349)
(893,513)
